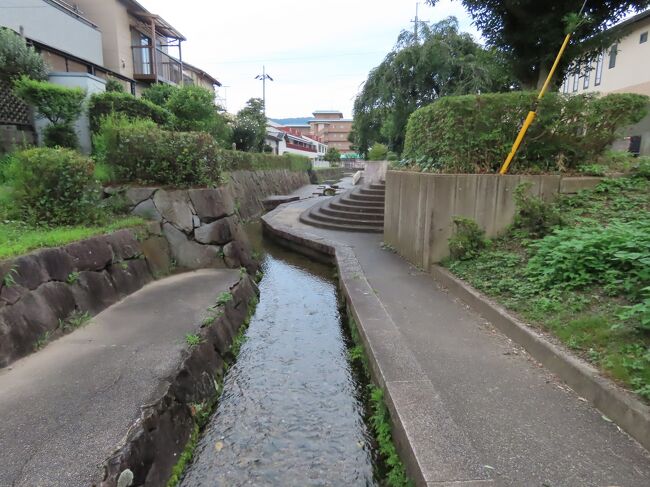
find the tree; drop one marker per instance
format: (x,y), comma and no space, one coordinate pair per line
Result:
(249,129)
(333,155)
(530,32)
(18,59)
(60,105)
(441,61)
(378,152)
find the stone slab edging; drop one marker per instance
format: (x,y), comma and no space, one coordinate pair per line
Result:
(434,449)
(152,446)
(621,406)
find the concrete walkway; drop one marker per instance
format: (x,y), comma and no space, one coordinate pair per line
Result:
(65,408)
(486,413)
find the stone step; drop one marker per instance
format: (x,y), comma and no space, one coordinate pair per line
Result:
(366,197)
(356,202)
(306,218)
(381,186)
(318,215)
(339,204)
(351,215)
(373,192)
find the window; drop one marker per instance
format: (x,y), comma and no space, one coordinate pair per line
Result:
(586,77)
(599,69)
(644,38)
(576,82)
(612,56)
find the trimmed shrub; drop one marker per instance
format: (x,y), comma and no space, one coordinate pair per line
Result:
(108,129)
(103,104)
(474,133)
(378,152)
(140,153)
(53,187)
(60,105)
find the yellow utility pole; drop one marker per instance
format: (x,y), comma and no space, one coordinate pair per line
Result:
(533,113)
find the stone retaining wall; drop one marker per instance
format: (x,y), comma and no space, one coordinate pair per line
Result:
(420,207)
(249,188)
(329,174)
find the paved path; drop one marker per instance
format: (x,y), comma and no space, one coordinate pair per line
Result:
(65,408)
(515,420)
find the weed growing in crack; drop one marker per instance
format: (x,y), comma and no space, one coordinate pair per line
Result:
(224,298)
(72,278)
(193,340)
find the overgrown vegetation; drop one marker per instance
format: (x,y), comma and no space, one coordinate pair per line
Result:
(379,418)
(473,133)
(468,239)
(584,278)
(18,59)
(101,105)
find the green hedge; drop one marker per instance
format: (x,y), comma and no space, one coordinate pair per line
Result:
(474,133)
(140,152)
(103,104)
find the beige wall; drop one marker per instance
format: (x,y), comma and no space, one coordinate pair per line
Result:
(631,74)
(420,207)
(113,20)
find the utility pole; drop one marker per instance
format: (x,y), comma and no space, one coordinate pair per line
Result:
(264,77)
(415,22)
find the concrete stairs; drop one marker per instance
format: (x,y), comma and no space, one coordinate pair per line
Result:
(358,210)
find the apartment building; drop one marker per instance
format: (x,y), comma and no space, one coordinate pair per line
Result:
(623,68)
(287,140)
(331,127)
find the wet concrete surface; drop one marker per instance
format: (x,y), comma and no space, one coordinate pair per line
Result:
(291,412)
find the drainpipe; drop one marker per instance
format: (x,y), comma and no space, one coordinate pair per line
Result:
(154,51)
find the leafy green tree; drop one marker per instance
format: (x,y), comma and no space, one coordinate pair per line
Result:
(441,61)
(60,105)
(249,129)
(159,93)
(529,32)
(18,59)
(333,155)
(378,152)
(114,85)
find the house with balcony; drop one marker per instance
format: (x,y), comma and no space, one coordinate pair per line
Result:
(622,68)
(141,45)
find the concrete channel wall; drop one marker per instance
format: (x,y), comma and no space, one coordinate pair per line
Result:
(420,207)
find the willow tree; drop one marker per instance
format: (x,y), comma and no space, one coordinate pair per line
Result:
(529,32)
(440,61)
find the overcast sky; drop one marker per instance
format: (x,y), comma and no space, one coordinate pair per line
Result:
(318,52)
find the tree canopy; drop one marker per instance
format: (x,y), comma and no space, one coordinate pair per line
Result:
(17,58)
(530,32)
(249,130)
(441,61)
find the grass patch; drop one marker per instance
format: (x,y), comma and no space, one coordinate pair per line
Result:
(391,467)
(18,238)
(586,282)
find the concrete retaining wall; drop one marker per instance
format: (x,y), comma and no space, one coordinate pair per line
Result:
(420,207)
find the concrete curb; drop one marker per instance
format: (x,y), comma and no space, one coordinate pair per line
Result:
(617,404)
(433,448)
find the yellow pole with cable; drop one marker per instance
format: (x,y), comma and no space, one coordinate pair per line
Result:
(533,113)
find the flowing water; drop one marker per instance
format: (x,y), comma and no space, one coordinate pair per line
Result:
(291,412)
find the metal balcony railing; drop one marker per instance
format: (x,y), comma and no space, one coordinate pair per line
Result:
(156,65)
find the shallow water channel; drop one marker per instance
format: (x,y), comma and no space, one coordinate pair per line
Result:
(291,412)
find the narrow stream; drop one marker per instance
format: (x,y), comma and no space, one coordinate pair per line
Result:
(291,412)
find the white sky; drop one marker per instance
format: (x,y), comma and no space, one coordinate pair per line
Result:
(318,52)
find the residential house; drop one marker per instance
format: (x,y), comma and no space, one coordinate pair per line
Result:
(286,140)
(623,68)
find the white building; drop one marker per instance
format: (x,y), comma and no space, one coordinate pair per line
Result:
(623,68)
(285,140)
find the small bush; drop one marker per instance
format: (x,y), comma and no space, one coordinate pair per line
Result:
(534,215)
(109,126)
(468,239)
(113,85)
(53,186)
(103,104)
(60,135)
(378,152)
(642,168)
(474,133)
(18,59)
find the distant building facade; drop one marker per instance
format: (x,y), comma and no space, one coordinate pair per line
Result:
(287,140)
(331,127)
(623,68)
